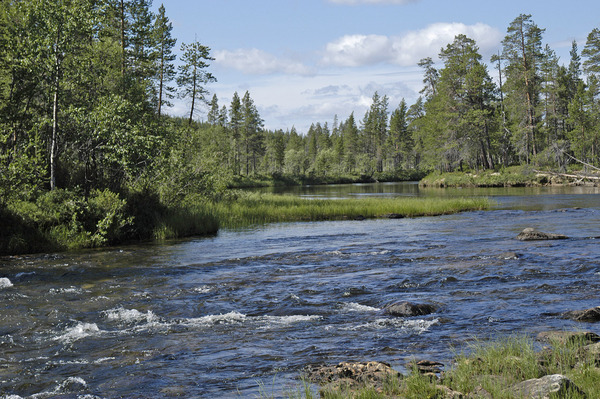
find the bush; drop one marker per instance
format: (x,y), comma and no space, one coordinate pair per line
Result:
(106,218)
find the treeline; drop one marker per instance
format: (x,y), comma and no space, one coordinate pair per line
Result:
(88,153)
(530,110)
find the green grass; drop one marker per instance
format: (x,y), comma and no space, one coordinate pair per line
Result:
(516,176)
(496,365)
(63,220)
(492,367)
(185,222)
(268,208)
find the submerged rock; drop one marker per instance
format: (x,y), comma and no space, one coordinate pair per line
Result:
(351,375)
(509,255)
(549,386)
(531,234)
(588,315)
(408,309)
(393,216)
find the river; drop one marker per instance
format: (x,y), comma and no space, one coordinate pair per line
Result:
(246,310)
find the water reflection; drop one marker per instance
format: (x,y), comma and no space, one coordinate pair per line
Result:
(523,198)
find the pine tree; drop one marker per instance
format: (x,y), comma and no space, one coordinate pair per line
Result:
(235,127)
(140,42)
(591,53)
(251,132)
(192,74)
(522,49)
(375,130)
(165,69)
(430,77)
(400,139)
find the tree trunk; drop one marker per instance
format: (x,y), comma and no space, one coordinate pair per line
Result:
(122,38)
(54,137)
(529,106)
(193,98)
(160,87)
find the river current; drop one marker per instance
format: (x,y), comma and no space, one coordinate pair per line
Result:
(241,314)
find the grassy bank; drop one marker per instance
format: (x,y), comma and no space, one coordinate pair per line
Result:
(494,369)
(63,220)
(268,208)
(514,176)
(509,177)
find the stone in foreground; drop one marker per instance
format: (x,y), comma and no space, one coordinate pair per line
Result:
(550,386)
(352,375)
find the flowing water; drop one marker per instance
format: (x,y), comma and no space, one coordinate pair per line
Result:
(245,311)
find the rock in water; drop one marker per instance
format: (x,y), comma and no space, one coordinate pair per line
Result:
(531,234)
(590,315)
(408,309)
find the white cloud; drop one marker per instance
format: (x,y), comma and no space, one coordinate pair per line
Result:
(353,2)
(258,62)
(408,49)
(356,50)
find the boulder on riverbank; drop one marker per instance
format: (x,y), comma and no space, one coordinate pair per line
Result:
(351,375)
(408,309)
(588,315)
(549,386)
(531,234)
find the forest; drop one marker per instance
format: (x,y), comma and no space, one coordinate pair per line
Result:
(90,154)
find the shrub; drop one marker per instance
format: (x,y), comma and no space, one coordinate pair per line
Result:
(106,217)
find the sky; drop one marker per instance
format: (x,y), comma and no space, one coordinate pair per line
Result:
(308,61)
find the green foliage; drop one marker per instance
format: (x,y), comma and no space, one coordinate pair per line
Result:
(506,177)
(68,220)
(106,218)
(496,365)
(416,386)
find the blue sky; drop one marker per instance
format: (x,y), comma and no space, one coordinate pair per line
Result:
(305,61)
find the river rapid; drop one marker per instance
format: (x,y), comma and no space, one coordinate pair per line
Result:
(241,314)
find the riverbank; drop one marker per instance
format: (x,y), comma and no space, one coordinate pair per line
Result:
(516,176)
(282,180)
(63,220)
(556,364)
(253,208)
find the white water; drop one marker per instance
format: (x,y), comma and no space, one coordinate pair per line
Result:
(217,317)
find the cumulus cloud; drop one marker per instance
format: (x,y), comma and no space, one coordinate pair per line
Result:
(258,62)
(353,2)
(356,50)
(405,50)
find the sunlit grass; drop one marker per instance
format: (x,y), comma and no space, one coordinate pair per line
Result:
(497,365)
(267,208)
(490,369)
